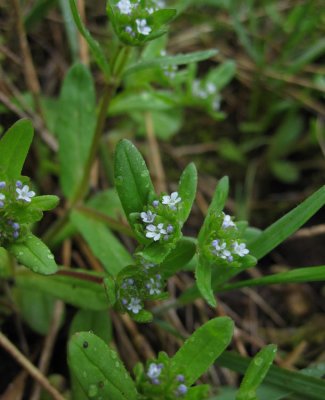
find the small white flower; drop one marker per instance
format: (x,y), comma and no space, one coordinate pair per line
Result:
(148,217)
(25,194)
(211,88)
(124,6)
(154,286)
(134,305)
(220,250)
(240,249)
(228,222)
(143,27)
(150,10)
(2,196)
(171,200)
(160,4)
(154,371)
(154,232)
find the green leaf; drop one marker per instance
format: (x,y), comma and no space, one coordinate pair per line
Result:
(35,307)
(75,126)
(217,204)
(179,59)
(35,255)
(285,171)
(105,246)
(156,252)
(223,74)
(303,386)
(187,191)
(287,225)
(98,369)
(256,372)
(45,203)
(80,289)
(38,12)
(132,179)
(178,257)
(203,347)
(299,275)
(98,322)
(203,280)
(94,46)
(14,147)
(70,29)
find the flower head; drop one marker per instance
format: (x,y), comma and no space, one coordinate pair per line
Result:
(181,390)
(171,200)
(154,372)
(228,222)
(2,184)
(154,285)
(240,249)
(148,217)
(134,305)
(25,194)
(154,232)
(142,26)
(124,6)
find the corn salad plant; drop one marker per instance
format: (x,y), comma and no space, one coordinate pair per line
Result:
(139,76)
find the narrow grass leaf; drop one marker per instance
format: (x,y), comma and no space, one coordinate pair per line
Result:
(299,275)
(256,372)
(94,46)
(203,347)
(179,59)
(98,369)
(287,225)
(14,147)
(80,289)
(302,386)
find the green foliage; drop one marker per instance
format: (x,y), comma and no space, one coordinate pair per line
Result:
(75,126)
(98,369)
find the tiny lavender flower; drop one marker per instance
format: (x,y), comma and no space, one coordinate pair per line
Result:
(155,203)
(2,197)
(129,30)
(2,184)
(180,378)
(143,27)
(124,6)
(134,305)
(148,217)
(19,184)
(240,249)
(228,222)
(220,250)
(154,285)
(25,194)
(181,390)
(154,371)
(171,200)
(154,232)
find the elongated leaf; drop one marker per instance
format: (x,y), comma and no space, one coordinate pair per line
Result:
(98,369)
(287,225)
(203,281)
(81,289)
(217,204)
(105,246)
(45,203)
(179,257)
(187,190)
(98,322)
(203,347)
(132,179)
(256,372)
(299,275)
(94,46)
(75,126)
(14,147)
(35,255)
(70,28)
(305,387)
(179,59)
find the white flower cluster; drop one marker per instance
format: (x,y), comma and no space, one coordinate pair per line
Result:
(219,248)
(154,285)
(154,372)
(206,91)
(160,230)
(22,193)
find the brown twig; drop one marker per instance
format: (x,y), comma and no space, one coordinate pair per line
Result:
(29,367)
